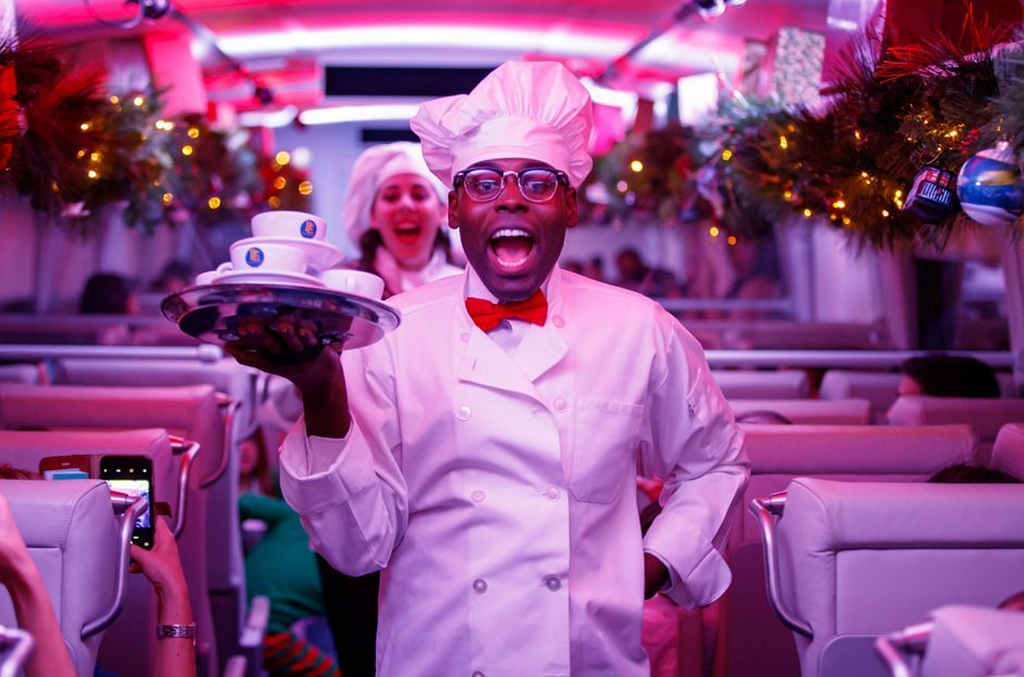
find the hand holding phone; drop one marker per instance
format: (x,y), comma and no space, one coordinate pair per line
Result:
(133,475)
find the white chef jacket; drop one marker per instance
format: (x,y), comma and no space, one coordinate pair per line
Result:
(497,491)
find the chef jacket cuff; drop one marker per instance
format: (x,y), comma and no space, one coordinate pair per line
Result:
(317,472)
(698,575)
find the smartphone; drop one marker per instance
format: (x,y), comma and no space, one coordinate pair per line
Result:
(133,475)
(66,467)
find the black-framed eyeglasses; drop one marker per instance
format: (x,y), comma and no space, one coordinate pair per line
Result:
(537,184)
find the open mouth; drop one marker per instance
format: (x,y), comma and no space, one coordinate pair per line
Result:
(408,234)
(511,249)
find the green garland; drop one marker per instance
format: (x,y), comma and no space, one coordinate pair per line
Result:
(853,159)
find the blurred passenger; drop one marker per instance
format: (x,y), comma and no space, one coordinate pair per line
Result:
(594,268)
(636,275)
(763,417)
(573,266)
(395,211)
(964,473)
(254,472)
(283,568)
(176,275)
(107,294)
(755,263)
(948,376)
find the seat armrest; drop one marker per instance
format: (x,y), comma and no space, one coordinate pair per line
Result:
(17,647)
(235,667)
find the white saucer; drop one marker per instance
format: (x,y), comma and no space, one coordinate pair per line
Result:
(268,277)
(322,255)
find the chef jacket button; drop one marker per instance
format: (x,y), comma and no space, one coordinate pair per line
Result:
(553,583)
(552,493)
(560,404)
(558,321)
(477,673)
(478,496)
(464,413)
(480,586)
(464,337)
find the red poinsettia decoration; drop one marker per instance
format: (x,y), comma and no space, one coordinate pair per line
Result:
(9,114)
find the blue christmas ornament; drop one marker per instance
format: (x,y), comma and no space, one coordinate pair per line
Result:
(990,188)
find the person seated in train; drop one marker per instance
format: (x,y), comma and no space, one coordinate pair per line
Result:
(107,294)
(964,473)
(176,275)
(948,376)
(283,568)
(175,656)
(636,275)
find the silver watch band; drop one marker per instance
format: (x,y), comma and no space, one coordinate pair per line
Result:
(176,631)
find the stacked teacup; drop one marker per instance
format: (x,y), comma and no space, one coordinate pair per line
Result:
(289,248)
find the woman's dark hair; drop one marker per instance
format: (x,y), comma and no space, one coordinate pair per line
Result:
(952,376)
(105,294)
(962,473)
(372,239)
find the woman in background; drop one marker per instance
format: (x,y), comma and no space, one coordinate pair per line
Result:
(395,211)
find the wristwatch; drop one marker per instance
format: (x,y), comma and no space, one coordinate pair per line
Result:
(176,631)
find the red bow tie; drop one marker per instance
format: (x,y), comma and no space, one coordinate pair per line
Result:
(489,315)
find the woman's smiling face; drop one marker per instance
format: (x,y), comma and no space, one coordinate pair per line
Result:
(407,212)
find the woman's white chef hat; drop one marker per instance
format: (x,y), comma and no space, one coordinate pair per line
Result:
(536,110)
(372,168)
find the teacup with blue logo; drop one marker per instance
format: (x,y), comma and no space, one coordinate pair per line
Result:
(296,225)
(263,257)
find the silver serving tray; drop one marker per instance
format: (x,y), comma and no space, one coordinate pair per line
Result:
(212,313)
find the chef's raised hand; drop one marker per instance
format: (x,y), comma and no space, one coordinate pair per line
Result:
(290,349)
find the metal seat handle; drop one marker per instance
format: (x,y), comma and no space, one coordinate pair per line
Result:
(131,507)
(766,510)
(895,645)
(188,451)
(231,407)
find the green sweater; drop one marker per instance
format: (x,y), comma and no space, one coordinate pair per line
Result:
(281,566)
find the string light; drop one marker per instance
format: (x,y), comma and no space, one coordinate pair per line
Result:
(727,154)
(274,202)
(280,182)
(788,195)
(81,153)
(115,99)
(94,156)
(731,240)
(856,134)
(86,126)
(846,221)
(305,188)
(93,174)
(167,198)
(193,132)
(713,231)
(139,101)
(807,213)
(283,158)
(622,186)
(885,213)
(186,150)
(839,204)
(214,202)
(636,166)
(783,142)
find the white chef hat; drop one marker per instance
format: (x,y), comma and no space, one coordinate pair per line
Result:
(536,110)
(372,168)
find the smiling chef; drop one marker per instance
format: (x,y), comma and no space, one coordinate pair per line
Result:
(484,455)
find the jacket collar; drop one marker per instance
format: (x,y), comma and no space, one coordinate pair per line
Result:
(484,363)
